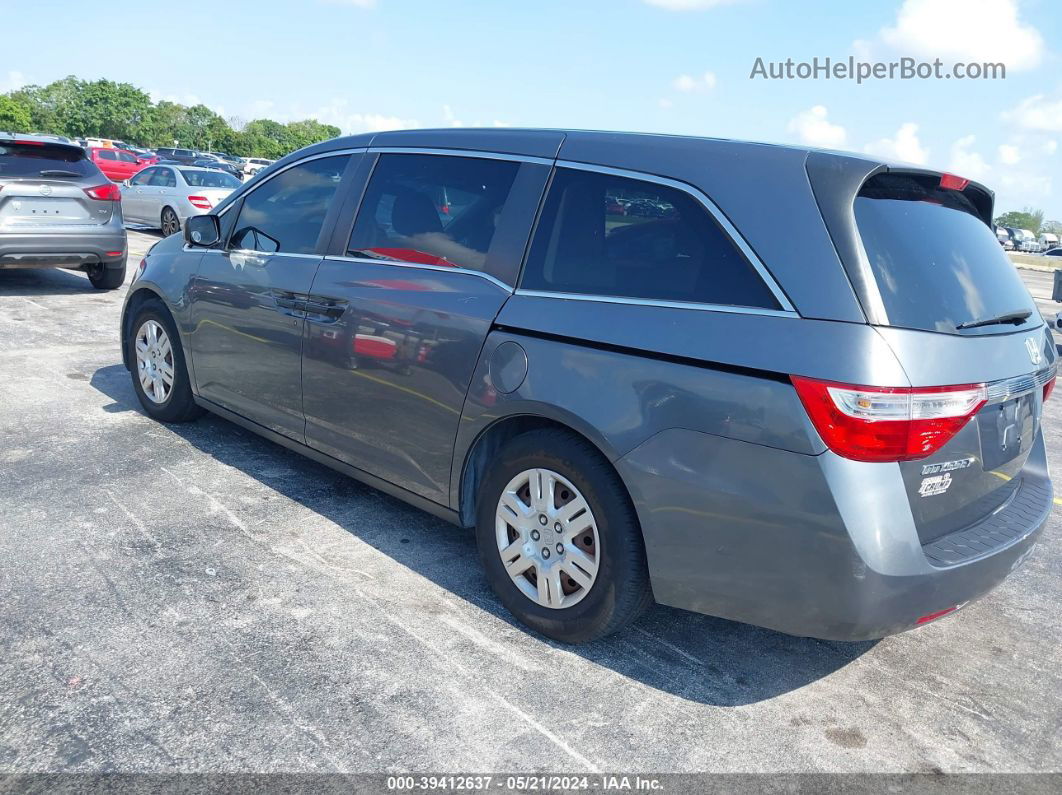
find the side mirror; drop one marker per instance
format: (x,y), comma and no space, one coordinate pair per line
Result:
(202,230)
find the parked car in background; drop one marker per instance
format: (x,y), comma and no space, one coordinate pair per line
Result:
(165,196)
(576,353)
(58,210)
(186,156)
(1003,236)
(1053,252)
(236,161)
(116,164)
(1047,241)
(220,165)
(252,165)
(1028,241)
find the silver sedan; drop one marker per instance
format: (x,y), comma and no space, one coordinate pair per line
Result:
(165,196)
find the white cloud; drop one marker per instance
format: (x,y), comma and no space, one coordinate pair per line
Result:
(689,5)
(903,146)
(965,161)
(15,80)
(688,83)
(966,30)
(1009,154)
(813,128)
(664,103)
(1050,147)
(1036,113)
(448,115)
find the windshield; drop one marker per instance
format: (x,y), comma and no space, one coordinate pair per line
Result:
(209,179)
(27,160)
(938,266)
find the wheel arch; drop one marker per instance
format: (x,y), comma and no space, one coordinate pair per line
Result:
(491,439)
(137,298)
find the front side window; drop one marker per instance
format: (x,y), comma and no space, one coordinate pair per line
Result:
(432,209)
(125,157)
(286,213)
(144,177)
(606,235)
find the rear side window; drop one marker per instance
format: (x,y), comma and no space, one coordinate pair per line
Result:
(432,209)
(106,154)
(613,236)
(286,213)
(164,178)
(22,160)
(937,264)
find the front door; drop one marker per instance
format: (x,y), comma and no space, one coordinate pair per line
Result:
(246,300)
(395,326)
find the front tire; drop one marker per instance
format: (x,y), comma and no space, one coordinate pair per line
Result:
(160,376)
(559,539)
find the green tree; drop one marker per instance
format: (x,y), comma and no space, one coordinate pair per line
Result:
(309,131)
(1025,219)
(14,115)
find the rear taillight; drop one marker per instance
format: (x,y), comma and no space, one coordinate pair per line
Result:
(1049,387)
(868,423)
(105,193)
(202,202)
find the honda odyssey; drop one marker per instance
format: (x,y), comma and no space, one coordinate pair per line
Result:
(788,387)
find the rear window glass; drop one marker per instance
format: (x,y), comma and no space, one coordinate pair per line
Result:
(612,236)
(20,160)
(209,179)
(937,264)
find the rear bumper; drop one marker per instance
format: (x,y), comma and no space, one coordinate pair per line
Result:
(64,249)
(810,545)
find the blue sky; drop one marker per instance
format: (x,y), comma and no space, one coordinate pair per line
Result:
(679,66)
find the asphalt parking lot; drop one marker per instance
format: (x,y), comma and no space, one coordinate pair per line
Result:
(195,598)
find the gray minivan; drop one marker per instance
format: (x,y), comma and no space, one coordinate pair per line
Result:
(788,387)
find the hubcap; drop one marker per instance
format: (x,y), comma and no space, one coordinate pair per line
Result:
(540,498)
(154,361)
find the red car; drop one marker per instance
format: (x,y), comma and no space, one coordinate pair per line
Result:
(116,164)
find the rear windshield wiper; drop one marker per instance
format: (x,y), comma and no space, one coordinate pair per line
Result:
(1017,318)
(58,172)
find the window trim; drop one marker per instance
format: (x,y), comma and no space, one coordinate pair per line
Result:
(727,228)
(423,266)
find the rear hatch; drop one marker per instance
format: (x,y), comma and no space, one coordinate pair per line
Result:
(43,185)
(952,305)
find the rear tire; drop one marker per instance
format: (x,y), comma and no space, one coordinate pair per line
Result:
(171,224)
(107,277)
(160,376)
(597,580)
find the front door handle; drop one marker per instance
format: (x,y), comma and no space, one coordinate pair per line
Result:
(323,310)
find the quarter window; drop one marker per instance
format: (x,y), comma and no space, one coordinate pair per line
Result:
(432,209)
(613,236)
(286,213)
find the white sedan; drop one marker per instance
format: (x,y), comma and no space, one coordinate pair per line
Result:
(164,196)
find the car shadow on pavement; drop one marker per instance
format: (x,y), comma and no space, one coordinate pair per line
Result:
(695,657)
(28,282)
